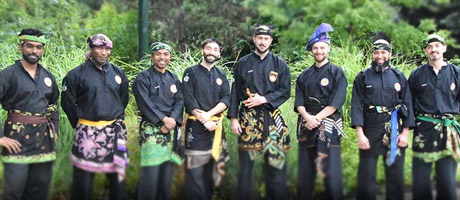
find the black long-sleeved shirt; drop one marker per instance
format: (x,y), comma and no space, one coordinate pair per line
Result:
(203,89)
(388,88)
(93,94)
(327,84)
(269,77)
(19,91)
(435,94)
(158,95)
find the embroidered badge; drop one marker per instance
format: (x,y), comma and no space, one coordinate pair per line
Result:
(452,86)
(118,79)
(273,76)
(219,81)
(48,81)
(186,78)
(324,82)
(173,88)
(397,87)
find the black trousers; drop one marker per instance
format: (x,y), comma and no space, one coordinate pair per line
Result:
(446,169)
(307,173)
(155,181)
(367,177)
(82,185)
(199,184)
(275,179)
(27,181)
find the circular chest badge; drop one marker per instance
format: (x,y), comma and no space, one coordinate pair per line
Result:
(186,78)
(173,88)
(452,86)
(324,82)
(118,79)
(397,87)
(64,88)
(219,81)
(48,81)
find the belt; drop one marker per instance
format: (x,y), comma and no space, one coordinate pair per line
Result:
(217,142)
(31,119)
(95,123)
(393,111)
(450,123)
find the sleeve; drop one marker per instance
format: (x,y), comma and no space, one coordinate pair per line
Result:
(187,91)
(457,70)
(234,100)
(4,80)
(148,109)
(178,107)
(411,84)
(69,98)
(339,92)
(225,99)
(357,118)
(283,92)
(299,93)
(409,120)
(124,89)
(54,101)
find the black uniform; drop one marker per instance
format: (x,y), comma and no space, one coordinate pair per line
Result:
(263,126)
(436,103)
(375,95)
(158,95)
(94,95)
(27,174)
(316,88)
(202,89)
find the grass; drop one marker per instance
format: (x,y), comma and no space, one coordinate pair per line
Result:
(60,59)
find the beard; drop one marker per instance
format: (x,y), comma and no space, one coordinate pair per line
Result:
(381,67)
(210,61)
(31,58)
(260,50)
(320,59)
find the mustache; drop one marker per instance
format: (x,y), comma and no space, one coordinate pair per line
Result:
(31,54)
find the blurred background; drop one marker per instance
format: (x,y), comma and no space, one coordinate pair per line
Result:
(185,23)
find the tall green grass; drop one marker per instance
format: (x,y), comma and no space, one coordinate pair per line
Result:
(60,59)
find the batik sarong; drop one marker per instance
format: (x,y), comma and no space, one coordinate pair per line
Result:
(100,147)
(158,147)
(264,131)
(202,145)
(435,137)
(35,134)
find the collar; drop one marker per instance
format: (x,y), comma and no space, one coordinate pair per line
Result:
(258,57)
(104,67)
(322,67)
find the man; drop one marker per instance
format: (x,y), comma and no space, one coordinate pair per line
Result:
(320,92)
(160,102)
(381,99)
(30,94)
(206,96)
(262,81)
(94,97)
(435,91)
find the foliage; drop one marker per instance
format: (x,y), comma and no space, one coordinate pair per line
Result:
(184,23)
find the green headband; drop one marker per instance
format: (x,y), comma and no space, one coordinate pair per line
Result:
(32,38)
(160,45)
(434,38)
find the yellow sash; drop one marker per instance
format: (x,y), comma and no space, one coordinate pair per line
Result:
(95,123)
(217,142)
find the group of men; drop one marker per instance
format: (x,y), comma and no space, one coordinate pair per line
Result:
(384,106)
